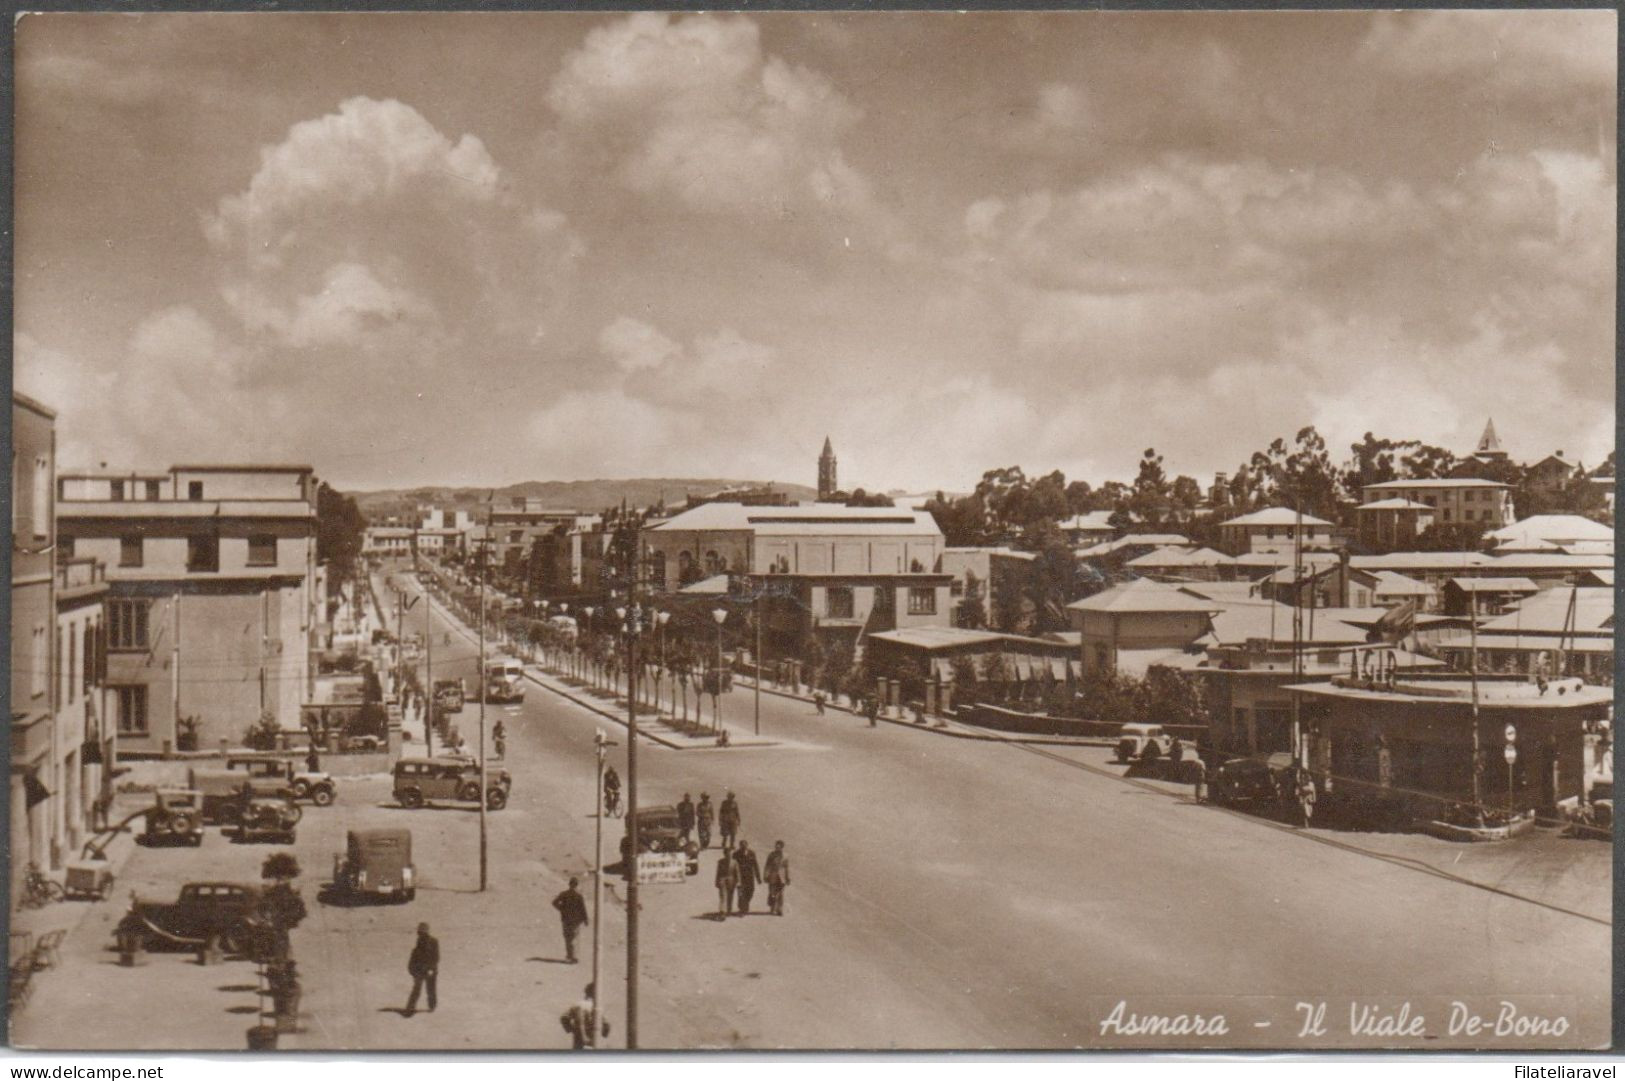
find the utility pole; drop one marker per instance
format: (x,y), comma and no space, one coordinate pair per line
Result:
(758,718)
(1472,677)
(633,619)
(601,748)
(428,659)
(174,668)
(485,549)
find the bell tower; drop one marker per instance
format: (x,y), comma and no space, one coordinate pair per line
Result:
(827,486)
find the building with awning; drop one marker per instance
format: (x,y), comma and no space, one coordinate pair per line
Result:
(940,652)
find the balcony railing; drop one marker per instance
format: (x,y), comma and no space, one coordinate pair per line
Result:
(79,573)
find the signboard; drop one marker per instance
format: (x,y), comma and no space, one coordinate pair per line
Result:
(1511,754)
(669,867)
(1512,734)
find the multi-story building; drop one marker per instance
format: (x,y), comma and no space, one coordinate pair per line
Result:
(1389,524)
(388,541)
(982,576)
(517,525)
(212,599)
(1486,504)
(33,633)
(443,532)
(83,745)
(1274,529)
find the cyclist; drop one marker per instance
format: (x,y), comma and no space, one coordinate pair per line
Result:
(612,791)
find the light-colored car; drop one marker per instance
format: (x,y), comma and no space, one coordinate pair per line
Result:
(1134,739)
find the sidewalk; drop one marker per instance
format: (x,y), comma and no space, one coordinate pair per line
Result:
(942,726)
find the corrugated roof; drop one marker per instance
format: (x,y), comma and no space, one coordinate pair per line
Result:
(1180,557)
(1394,504)
(1495,585)
(1154,540)
(1549,611)
(1275,516)
(1236,624)
(1421,561)
(1435,482)
(1532,642)
(1143,595)
(1392,583)
(801,520)
(1553,527)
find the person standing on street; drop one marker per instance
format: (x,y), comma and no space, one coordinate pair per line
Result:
(750,873)
(818,702)
(612,790)
(727,880)
(313,762)
(424,968)
(777,873)
(703,816)
(874,713)
(685,817)
(1198,778)
(728,820)
(579,1019)
(572,911)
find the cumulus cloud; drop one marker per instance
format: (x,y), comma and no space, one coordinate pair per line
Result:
(635,346)
(1536,53)
(692,108)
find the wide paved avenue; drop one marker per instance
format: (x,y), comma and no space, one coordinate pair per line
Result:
(960,893)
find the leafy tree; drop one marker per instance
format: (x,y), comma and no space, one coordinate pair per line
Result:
(340,531)
(1052,577)
(1149,501)
(1450,537)
(963,521)
(1079,497)
(1186,499)
(861,498)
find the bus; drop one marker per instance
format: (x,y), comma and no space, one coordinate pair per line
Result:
(504,680)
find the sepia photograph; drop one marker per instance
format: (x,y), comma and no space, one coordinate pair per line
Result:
(929,530)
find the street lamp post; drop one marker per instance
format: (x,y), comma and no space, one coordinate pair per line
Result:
(601,747)
(758,719)
(661,619)
(480,683)
(633,624)
(586,662)
(718,614)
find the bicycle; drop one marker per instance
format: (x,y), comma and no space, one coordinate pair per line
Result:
(612,802)
(38,890)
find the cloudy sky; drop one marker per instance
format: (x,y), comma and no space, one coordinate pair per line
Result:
(464,248)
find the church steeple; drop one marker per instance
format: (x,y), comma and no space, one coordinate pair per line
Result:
(1489,446)
(827,485)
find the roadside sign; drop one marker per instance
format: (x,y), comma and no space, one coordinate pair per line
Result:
(1512,733)
(1511,754)
(667,867)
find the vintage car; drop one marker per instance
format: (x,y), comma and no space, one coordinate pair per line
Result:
(267,818)
(223,791)
(420,780)
(223,911)
(315,786)
(1138,740)
(376,863)
(176,817)
(658,832)
(1271,778)
(449,695)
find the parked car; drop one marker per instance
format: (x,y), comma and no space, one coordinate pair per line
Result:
(204,910)
(1135,740)
(223,791)
(268,818)
(419,780)
(316,786)
(1271,778)
(176,817)
(658,832)
(449,695)
(376,863)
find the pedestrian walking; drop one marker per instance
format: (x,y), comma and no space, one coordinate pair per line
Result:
(1176,754)
(728,820)
(750,873)
(313,763)
(685,817)
(424,968)
(777,873)
(874,712)
(704,815)
(1198,778)
(818,702)
(579,1020)
(727,882)
(572,911)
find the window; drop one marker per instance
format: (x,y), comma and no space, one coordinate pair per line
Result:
(39,670)
(90,656)
(838,602)
(203,553)
(261,550)
(64,547)
(922,602)
(1447,514)
(152,491)
(129,551)
(73,662)
(515,536)
(131,709)
(56,667)
(116,490)
(194,490)
(42,497)
(127,624)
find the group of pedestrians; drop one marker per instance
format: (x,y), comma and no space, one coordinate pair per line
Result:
(696,819)
(739,873)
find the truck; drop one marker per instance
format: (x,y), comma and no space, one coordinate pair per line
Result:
(223,791)
(449,695)
(176,817)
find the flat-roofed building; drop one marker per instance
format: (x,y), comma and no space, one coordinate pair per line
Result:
(33,632)
(212,599)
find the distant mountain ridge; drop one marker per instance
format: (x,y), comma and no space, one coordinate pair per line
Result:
(583,495)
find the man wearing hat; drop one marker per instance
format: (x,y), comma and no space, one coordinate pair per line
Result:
(572,909)
(777,873)
(424,967)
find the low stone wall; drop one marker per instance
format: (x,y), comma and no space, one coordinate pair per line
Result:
(1041,724)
